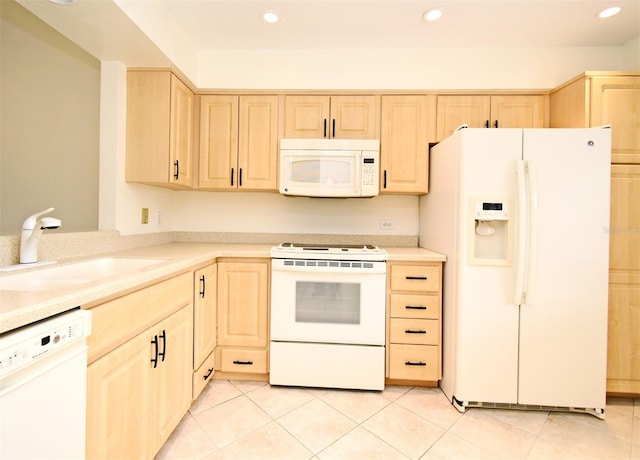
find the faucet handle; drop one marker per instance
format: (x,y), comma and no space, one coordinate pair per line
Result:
(30,222)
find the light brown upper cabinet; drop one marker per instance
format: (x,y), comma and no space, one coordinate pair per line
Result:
(599,98)
(238,142)
(485,111)
(341,117)
(160,114)
(404,143)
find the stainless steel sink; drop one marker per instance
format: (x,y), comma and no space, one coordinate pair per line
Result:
(73,274)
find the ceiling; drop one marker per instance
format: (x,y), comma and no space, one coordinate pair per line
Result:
(340,24)
(139,32)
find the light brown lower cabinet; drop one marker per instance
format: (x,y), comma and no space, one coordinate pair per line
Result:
(623,352)
(414,309)
(243,318)
(140,374)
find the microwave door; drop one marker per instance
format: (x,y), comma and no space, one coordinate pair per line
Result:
(329,175)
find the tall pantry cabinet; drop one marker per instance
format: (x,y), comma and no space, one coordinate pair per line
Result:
(613,98)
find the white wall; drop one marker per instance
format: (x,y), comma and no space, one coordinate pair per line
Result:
(439,68)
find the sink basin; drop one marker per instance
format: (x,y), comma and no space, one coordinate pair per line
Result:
(73,274)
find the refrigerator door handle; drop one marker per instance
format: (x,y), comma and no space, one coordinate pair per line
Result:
(532,221)
(522,232)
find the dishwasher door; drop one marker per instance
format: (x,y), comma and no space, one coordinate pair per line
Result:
(43,388)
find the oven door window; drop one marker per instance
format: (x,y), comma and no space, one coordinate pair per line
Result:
(319,302)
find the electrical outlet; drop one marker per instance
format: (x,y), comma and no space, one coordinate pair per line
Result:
(159,219)
(387,224)
(145,216)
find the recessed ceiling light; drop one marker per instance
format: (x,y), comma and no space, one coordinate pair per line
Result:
(270,17)
(432,14)
(608,12)
(62,2)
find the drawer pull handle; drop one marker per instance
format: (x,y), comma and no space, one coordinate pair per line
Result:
(416,278)
(415,307)
(244,363)
(208,374)
(420,363)
(409,331)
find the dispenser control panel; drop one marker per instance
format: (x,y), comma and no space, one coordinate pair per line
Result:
(491,210)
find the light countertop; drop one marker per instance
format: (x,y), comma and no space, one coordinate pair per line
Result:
(18,308)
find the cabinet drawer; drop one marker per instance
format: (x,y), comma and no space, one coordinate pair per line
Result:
(416,278)
(414,362)
(116,321)
(245,361)
(416,331)
(424,306)
(202,375)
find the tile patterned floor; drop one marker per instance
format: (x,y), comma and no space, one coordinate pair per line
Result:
(253,420)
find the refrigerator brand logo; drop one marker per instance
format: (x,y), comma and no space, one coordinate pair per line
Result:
(621,230)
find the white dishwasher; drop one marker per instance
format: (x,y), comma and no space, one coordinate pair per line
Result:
(43,388)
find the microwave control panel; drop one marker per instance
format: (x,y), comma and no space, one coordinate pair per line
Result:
(369,171)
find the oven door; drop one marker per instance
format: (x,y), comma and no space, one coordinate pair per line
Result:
(327,301)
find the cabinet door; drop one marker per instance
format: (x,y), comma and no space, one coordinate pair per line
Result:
(258,143)
(453,111)
(404,150)
(306,117)
(118,403)
(218,166)
(204,314)
(355,117)
(615,101)
(623,352)
(514,111)
(181,134)
(148,120)
(172,376)
(243,296)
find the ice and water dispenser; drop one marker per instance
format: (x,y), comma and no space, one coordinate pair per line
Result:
(491,233)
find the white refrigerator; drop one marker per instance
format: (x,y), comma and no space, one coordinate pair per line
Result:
(523,216)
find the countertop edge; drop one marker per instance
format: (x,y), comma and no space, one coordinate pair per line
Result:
(19,308)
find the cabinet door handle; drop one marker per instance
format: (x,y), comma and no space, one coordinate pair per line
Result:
(419,363)
(163,336)
(495,124)
(232,174)
(384,179)
(239,177)
(415,307)
(416,278)
(243,363)
(333,127)
(409,331)
(486,123)
(208,374)
(154,360)
(176,169)
(324,134)
(203,284)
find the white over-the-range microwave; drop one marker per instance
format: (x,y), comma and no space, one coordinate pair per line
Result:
(330,168)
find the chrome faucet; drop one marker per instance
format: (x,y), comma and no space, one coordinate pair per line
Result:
(32,228)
